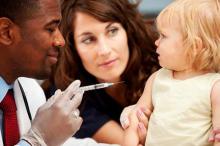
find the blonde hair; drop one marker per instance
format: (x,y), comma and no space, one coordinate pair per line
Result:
(199,23)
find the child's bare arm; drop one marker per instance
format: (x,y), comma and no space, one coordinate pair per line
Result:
(131,137)
(215,100)
(146,100)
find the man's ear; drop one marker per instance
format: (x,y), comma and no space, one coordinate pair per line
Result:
(6,31)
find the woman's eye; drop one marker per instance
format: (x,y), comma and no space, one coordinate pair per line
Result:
(87,40)
(113,31)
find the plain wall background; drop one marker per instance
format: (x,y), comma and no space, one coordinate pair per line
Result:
(150,8)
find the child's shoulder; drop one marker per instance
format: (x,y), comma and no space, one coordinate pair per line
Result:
(158,74)
(163,72)
(215,79)
(212,77)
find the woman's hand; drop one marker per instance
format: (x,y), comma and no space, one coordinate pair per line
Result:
(214,135)
(143,115)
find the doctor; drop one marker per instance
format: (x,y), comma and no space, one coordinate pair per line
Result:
(29,47)
(29,42)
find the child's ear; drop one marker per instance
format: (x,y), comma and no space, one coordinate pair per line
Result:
(199,44)
(6,31)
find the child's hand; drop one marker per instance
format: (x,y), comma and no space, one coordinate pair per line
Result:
(214,135)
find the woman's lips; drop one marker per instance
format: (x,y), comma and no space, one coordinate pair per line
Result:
(108,63)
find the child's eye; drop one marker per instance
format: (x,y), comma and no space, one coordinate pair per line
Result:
(162,35)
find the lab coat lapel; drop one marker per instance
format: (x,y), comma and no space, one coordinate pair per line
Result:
(34,96)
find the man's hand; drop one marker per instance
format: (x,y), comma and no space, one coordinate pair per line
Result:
(58,119)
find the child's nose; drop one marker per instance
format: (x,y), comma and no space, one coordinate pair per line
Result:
(157,42)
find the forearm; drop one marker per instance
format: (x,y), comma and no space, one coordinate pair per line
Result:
(85,142)
(110,132)
(130,137)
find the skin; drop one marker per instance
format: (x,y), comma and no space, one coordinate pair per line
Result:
(103,49)
(31,50)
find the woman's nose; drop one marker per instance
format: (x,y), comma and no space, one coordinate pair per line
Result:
(104,48)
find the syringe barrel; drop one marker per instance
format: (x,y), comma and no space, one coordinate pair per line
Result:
(96,86)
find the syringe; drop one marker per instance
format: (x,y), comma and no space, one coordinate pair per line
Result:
(96,86)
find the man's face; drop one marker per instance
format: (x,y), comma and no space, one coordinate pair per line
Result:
(36,50)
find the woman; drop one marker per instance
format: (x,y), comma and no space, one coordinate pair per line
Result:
(106,41)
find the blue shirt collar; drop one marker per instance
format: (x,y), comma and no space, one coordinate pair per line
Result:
(4,87)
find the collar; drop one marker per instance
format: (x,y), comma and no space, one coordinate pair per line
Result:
(4,87)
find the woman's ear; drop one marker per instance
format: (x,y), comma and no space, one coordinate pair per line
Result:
(6,31)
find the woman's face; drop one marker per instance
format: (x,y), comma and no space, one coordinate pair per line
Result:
(102,47)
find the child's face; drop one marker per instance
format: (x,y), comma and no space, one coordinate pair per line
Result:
(170,46)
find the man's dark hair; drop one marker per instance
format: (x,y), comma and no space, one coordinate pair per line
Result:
(18,10)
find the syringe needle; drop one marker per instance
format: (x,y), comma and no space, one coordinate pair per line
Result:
(120,82)
(98,86)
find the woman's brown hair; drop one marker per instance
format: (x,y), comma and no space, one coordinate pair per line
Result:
(142,61)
